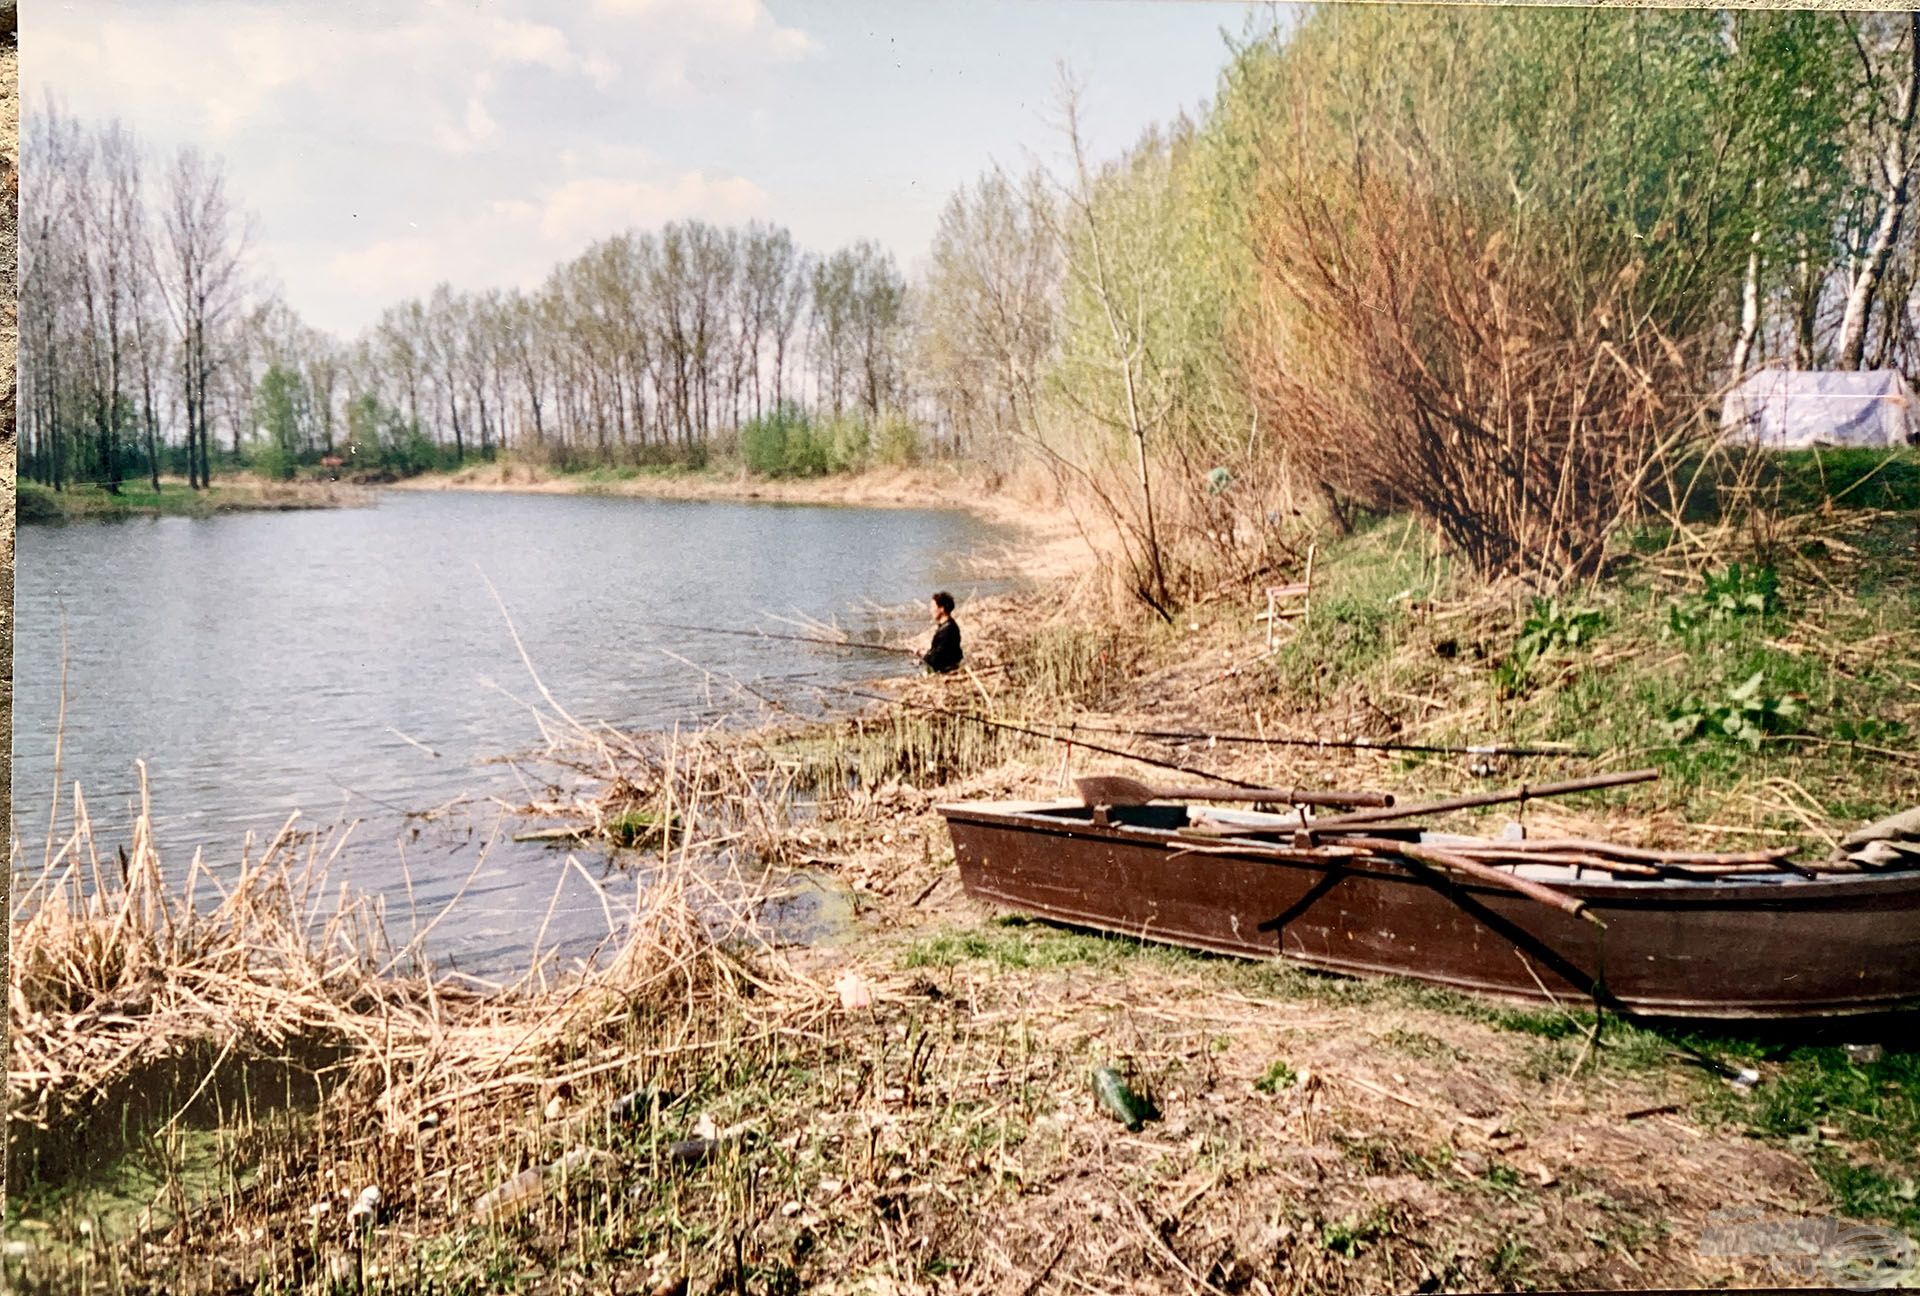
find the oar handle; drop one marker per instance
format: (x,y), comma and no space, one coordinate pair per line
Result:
(1484,872)
(1523,793)
(1288,796)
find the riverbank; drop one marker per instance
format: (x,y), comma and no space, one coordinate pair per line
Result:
(908,1107)
(236,494)
(945,485)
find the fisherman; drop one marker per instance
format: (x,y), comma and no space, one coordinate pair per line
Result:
(944,655)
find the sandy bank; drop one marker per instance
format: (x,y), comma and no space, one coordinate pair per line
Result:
(1042,540)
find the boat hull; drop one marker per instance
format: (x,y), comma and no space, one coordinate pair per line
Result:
(1783,948)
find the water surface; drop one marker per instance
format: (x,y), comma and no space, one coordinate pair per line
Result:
(354,664)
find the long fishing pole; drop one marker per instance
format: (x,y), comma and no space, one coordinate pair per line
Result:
(1007,726)
(792,638)
(1359,744)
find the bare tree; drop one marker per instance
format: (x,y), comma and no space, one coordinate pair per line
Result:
(105,175)
(1894,108)
(198,264)
(47,258)
(1123,284)
(988,311)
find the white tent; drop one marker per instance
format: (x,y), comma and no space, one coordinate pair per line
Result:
(1790,409)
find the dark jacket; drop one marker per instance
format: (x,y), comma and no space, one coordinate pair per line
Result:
(944,655)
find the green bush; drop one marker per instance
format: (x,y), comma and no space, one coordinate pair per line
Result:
(775,444)
(787,443)
(410,451)
(1550,625)
(32,503)
(1745,713)
(846,440)
(1729,596)
(273,461)
(896,443)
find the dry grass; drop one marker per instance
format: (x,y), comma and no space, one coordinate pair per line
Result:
(940,1136)
(128,982)
(1319,1135)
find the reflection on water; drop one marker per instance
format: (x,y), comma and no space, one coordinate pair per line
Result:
(355,665)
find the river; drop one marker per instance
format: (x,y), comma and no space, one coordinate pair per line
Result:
(354,664)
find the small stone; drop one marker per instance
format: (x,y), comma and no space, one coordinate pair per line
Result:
(365,1207)
(516,1193)
(1863,1054)
(854,990)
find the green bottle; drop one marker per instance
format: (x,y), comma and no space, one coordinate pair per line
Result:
(1122,1103)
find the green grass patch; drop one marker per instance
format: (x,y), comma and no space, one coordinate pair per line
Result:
(1847,478)
(615,474)
(1277,1077)
(1016,943)
(637,828)
(1745,684)
(1857,1123)
(36,503)
(1350,1236)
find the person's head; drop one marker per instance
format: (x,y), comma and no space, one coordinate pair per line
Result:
(942,605)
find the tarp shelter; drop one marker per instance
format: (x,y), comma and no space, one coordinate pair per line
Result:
(1789,409)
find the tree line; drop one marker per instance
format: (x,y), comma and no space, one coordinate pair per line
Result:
(150,350)
(1487,264)
(128,295)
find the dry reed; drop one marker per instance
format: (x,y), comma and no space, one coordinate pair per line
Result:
(123,973)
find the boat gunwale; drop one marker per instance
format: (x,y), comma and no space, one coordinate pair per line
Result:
(1622,892)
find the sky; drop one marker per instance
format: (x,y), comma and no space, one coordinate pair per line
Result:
(384,147)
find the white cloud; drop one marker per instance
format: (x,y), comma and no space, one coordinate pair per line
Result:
(584,209)
(517,240)
(476,125)
(390,269)
(718,19)
(684,33)
(511,40)
(389,147)
(436,64)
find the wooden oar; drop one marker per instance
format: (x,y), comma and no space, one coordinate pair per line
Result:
(1772,855)
(1430,856)
(1119,790)
(1435,855)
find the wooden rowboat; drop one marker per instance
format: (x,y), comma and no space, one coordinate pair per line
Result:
(1765,940)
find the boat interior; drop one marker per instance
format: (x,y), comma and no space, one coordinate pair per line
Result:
(1223,827)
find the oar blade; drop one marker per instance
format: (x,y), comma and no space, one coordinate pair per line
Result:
(1112,790)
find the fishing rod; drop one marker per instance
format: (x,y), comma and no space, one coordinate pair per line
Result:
(1359,744)
(990,723)
(792,638)
(914,653)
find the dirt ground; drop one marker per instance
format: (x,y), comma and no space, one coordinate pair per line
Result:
(1317,1134)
